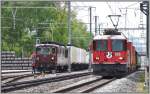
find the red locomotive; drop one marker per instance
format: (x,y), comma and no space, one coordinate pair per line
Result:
(113,54)
(46,55)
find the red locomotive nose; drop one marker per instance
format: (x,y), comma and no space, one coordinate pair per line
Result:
(41,58)
(47,58)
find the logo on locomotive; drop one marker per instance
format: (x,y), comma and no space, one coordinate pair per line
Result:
(109,55)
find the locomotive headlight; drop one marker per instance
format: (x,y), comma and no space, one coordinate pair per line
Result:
(97,58)
(52,58)
(121,58)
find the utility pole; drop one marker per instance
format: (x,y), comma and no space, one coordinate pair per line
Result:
(99,29)
(69,36)
(144,7)
(96,25)
(126,21)
(37,40)
(90,57)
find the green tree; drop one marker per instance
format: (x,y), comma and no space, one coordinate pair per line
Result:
(47,23)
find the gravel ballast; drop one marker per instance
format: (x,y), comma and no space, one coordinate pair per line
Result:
(128,84)
(48,87)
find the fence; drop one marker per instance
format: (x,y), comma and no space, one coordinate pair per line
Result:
(10,62)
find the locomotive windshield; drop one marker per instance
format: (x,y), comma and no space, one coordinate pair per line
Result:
(45,50)
(101,45)
(118,45)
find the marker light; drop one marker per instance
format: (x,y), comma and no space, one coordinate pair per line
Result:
(97,58)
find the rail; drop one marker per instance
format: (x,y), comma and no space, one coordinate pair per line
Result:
(84,86)
(18,85)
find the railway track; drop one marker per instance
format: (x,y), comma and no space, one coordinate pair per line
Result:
(10,79)
(14,75)
(85,86)
(7,87)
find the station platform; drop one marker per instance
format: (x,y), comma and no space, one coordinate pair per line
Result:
(14,71)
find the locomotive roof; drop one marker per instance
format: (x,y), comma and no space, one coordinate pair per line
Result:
(109,37)
(46,45)
(50,43)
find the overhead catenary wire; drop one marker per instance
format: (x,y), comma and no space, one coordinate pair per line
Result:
(110,7)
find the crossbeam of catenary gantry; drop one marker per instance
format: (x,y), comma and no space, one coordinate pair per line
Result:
(126,28)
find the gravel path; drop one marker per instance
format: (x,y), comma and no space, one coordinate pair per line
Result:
(128,84)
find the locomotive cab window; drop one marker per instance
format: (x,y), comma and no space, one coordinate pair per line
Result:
(66,52)
(38,49)
(101,45)
(94,45)
(45,50)
(53,50)
(118,45)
